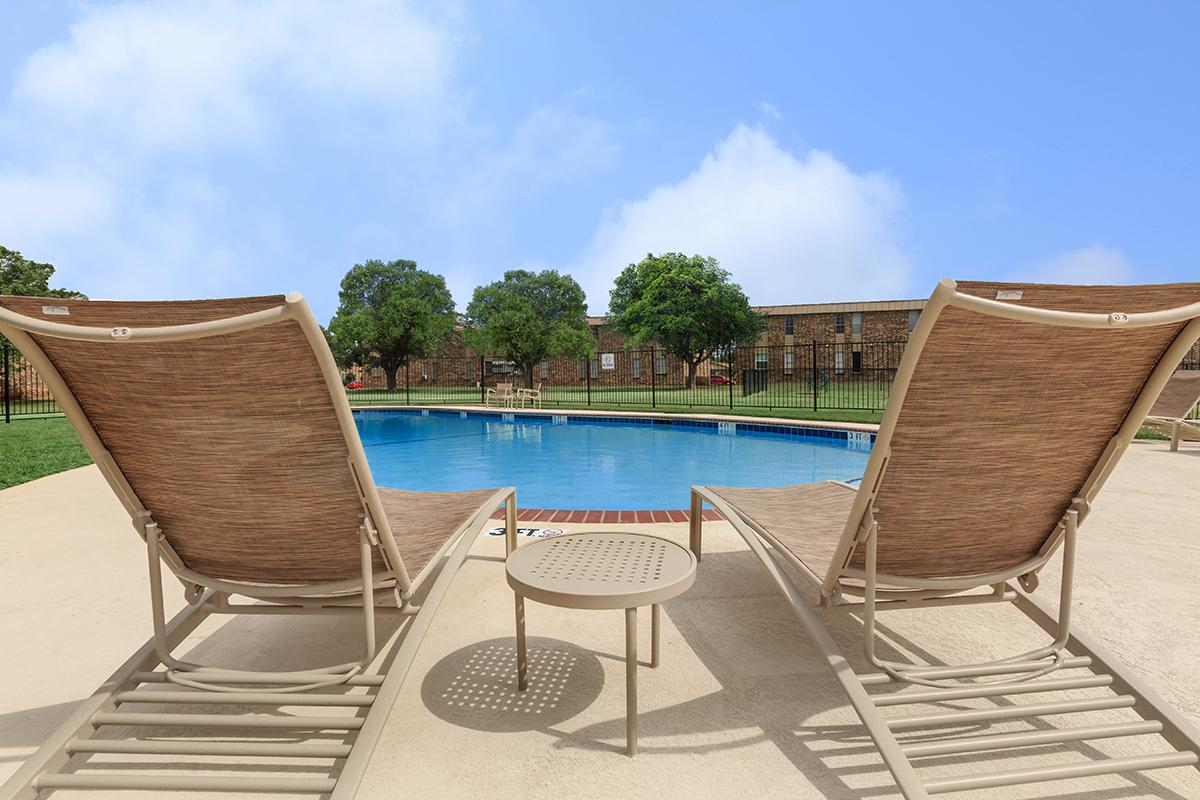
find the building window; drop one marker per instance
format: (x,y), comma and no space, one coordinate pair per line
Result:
(789,363)
(435,370)
(839,323)
(789,325)
(839,361)
(856,322)
(545,370)
(637,366)
(761,360)
(856,361)
(470,369)
(582,368)
(660,364)
(913,316)
(595,367)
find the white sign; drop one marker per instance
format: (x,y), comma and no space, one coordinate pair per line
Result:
(608,361)
(535,533)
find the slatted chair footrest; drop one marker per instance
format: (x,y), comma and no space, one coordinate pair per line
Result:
(245,698)
(1086,769)
(1011,712)
(984,690)
(183,783)
(1002,741)
(329,723)
(190,748)
(952,673)
(158,676)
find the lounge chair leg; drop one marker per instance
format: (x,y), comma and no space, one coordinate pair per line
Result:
(510,523)
(695,521)
(1175,436)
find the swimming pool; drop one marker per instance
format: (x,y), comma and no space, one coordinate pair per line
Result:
(594,462)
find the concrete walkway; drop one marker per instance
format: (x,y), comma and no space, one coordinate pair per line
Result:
(741,706)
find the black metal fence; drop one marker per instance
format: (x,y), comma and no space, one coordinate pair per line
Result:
(24,393)
(815,376)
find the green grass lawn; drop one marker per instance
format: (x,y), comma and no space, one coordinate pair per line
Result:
(33,448)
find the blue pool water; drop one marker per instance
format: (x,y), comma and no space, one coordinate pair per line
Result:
(589,463)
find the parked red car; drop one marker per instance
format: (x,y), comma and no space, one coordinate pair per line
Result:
(354,385)
(718,379)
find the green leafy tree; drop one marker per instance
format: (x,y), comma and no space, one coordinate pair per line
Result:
(686,304)
(390,312)
(530,317)
(19,275)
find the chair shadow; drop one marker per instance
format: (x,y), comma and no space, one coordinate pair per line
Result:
(781,703)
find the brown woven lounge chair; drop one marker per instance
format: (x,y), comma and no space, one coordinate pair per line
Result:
(1010,408)
(223,428)
(1179,397)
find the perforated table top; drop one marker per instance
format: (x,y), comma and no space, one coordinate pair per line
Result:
(601,570)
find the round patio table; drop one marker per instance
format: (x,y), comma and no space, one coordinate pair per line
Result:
(601,570)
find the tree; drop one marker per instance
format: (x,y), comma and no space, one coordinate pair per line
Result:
(688,305)
(19,275)
(389,313)
(529,316)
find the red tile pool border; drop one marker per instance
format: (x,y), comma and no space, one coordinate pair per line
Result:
(604,517)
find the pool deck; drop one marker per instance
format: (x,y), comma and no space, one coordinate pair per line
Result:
(587,412)
(742,705)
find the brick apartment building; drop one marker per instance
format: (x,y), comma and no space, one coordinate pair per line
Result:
(852,338)
(851,332)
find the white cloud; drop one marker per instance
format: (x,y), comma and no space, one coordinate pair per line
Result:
(1096,264)
(61,201)
(176,76)
(790,228)
(551,146)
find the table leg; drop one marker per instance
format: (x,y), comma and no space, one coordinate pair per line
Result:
(522,660)
(654,613)
(631,681)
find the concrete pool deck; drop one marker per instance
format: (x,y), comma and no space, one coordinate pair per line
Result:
(741,705)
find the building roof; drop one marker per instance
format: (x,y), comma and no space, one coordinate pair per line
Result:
(822,308)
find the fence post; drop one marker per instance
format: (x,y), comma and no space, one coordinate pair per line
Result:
(482,388)
(587,374)
(815,373)
(7,397)
(730,354)
(407,384)
(653,377)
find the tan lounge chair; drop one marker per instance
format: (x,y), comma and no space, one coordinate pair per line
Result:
(222,427)
(502,395)
(532,396)
(1010,408)
(1177,400)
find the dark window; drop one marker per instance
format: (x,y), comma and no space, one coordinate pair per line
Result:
(470,369)
(487,367)
(839,323)
(856,361)
(789,325)
(435,370)
(913,316)
(856,322)
(582,368)
(545,369)
(595,367)
(637,366)
(660,364)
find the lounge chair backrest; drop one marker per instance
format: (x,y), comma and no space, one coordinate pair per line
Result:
(1004,420)
(1179,396)
(504,389)
(232,442)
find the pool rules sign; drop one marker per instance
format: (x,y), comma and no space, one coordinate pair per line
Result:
(608,361)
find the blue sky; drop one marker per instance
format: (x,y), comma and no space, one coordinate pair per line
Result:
(822,151)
